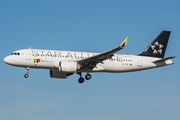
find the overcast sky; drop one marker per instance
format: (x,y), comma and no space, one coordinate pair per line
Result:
(91,26)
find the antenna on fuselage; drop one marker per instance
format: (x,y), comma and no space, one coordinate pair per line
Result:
(29,47)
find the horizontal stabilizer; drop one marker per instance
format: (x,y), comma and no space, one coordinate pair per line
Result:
(164,59)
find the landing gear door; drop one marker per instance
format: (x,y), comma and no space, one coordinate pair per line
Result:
(140,62)
(28,55)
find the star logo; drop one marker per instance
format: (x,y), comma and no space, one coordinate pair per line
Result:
(157,48)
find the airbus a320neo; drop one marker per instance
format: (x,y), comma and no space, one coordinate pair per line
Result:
(65,63)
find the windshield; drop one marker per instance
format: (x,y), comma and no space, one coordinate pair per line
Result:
(15,53)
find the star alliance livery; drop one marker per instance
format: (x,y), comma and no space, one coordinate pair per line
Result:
(66,63)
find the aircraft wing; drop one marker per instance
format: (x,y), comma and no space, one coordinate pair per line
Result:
(91,62)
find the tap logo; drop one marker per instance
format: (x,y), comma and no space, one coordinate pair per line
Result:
(37,60)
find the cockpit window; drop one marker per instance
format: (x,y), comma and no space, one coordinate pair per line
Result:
(15,53)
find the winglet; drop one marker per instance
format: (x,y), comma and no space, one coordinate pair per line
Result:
(124,42)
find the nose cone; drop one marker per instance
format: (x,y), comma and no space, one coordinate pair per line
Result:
(7,60)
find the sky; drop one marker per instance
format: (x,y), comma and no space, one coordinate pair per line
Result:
(89,26)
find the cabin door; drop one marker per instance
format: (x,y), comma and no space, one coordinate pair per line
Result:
(140,62)
(28,55)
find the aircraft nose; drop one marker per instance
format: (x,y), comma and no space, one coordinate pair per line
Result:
(7,60)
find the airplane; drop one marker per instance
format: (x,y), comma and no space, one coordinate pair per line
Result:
(65,63)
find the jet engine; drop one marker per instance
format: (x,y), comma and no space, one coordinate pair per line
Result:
(67,66)
(57,74)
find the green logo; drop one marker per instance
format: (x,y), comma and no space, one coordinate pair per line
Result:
(37,60)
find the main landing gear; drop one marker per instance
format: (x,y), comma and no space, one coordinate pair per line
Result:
(27,71)
(81,79)
(88,76)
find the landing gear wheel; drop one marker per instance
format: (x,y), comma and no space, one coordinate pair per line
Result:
(81,80)
(88,76)
(26,75)
(27,71)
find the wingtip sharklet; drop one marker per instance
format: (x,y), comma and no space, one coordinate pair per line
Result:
(124,42)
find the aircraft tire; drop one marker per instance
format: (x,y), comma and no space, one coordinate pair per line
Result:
(81,80)
(88,76)
(26,75)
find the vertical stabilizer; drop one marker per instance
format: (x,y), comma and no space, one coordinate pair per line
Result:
(158,47)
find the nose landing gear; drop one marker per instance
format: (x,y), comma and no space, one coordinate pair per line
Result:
(27,71)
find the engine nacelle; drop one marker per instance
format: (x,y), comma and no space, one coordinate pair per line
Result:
(57,74)
(67,66)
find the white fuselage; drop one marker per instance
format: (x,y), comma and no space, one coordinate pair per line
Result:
(48,59)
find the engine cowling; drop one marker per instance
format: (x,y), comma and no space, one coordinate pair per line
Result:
(57,74)
(67,66)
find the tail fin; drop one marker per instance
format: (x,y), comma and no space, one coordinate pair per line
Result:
(158,47)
